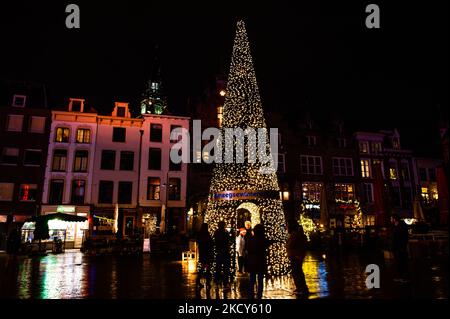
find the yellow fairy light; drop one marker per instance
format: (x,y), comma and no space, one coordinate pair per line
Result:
(242,108)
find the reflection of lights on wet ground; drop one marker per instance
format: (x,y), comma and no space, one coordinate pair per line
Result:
(316,276)
(189,266)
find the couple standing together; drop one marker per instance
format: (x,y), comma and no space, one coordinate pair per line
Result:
(252,255)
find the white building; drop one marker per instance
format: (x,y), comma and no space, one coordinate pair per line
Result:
(70,161)
(116,171)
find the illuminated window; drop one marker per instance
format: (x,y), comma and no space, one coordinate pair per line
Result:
(364,147)
(344,192)
(311,191)
(62,135)
(311,164)
(342,166)
(393,174)
(28,192)
(153,188)
(424,193)
(15,123)
(83,135)
(284,192)
(365,168)
(219,115)
(370,220)
(81,161)
(59,160)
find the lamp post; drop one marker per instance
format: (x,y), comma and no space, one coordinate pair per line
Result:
(138,215)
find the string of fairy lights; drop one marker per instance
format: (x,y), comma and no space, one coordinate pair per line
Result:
(243,109)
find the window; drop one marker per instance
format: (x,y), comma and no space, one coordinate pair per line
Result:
(174,166)
(28,192)
(125,192)
(155,133)
(119,134)
(344,192)
(108,160)
(78,191)
(154,188)
(364,147)
(121,111)
(81,161)
(105,192)
(10,155)
(154,159)
(62,135)
(380,163)
(174,189)
(395,143)
(311,191)
(365,168)
(342,166)
(405,171)
(37,124)
(15,123)
(311,140)
(341,142)
(376,147)
(423,174)
(19,100)
(219,116)
(59,160)
(368,193)
(393,170)
(395,196)
(76,105)
(56,191)
(6,191)
(32,157)
(311,164)
(281,164)
(424,193)
(432,174)
(83,135)
(126,161)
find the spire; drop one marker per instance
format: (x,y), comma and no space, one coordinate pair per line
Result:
(154,99)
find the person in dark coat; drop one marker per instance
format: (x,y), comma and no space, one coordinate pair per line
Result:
(256,260)
(205,255)
(222,248)
(296,251)
(400,247)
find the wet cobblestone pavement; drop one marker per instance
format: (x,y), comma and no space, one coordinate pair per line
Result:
(73,275)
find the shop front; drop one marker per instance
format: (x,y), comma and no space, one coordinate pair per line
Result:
(72,232)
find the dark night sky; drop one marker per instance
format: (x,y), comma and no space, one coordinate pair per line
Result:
(309,54)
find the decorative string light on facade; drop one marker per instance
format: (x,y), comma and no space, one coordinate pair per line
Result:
(243,109)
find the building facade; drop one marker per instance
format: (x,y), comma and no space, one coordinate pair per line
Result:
(70,162)
(24,131)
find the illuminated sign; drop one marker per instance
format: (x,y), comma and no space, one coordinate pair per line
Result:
(244,195)
(65,209)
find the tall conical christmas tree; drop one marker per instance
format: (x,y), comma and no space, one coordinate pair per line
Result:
(251,187)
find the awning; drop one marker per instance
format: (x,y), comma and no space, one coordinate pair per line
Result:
(58,216)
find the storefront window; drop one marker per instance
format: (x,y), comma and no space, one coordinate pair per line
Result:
(344,192)
(311,191)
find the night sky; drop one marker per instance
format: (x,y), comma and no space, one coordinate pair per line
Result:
(309,55)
